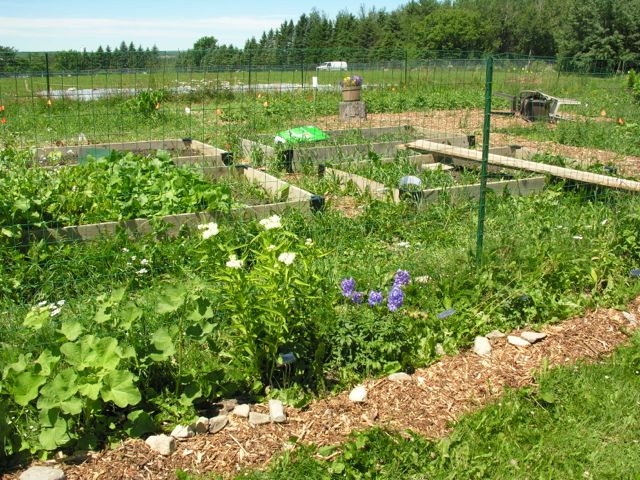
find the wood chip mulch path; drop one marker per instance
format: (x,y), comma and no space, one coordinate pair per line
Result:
(435,397)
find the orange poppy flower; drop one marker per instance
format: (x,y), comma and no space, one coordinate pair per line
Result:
(265,104)
(620,121)
(603,113)
(4,120)
(1,108)
(158,106)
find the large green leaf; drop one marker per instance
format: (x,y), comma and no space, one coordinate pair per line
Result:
(138,423)
(92,352)
(26,387)
(51,438)
(60,393)
(119,388)
(163,345)
(128,315)
(171,299)
(47,362)
(71,330)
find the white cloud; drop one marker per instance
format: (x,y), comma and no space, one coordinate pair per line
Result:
(65,33)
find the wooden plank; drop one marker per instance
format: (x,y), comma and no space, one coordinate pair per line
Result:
(144,226)
(502,161)
(519,187)
(275,185)
(376,190)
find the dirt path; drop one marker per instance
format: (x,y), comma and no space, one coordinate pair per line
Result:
(434,397)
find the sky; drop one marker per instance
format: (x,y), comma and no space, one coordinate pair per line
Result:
(48,25)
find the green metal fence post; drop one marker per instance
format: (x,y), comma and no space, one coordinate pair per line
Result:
(485,158)
(46,66)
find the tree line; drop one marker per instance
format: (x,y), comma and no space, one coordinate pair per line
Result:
(578,31)
(122,57)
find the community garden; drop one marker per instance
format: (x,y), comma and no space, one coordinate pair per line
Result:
(145,286)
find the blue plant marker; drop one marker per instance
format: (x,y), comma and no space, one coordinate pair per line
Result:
(446,313)
(287,358)
(635,273)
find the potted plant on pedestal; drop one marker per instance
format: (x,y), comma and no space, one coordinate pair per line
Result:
(351,87)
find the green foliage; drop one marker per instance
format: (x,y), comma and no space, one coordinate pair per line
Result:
(118,187)
(147,103)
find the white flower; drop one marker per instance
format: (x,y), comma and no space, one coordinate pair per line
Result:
(43,303)
(61,303)
(133,257)
(271,222)
(125,250)
(308,242)
(403,244)
(234,262)
(287,258)
(187,110)
(142,271)
(129,264)
(144,261)
(577,237)
(209,230)
(55,311)
(604,222)
(271,248)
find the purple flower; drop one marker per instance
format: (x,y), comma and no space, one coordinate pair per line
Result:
(396,298)
(358,297)
(348,286)
(401,278)
(375,298)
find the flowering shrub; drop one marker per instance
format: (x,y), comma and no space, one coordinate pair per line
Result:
(351,81)
(271,293)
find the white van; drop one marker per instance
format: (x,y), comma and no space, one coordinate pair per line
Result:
(332,66)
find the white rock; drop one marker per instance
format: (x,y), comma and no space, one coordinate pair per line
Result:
(218,423)
(276,411)
(482,346)
(358,394)
(495,334)
(631,318)
(517,341)
(181,432)
(533,337)
(422,279)
(163,444)
(42,473)
(256,418)
(242,410)
(440,349)
(399,377)
(201,425)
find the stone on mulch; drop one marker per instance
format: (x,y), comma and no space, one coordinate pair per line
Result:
(495,334)
(163,444)
(631,318)
(242,410)
(533,337)
(42,473)
(276,411)
(201,425)
(517,341)
(218,423)
(399,377)
(440,349)
(181,432)
(256,418)
(482,346)
(358,394)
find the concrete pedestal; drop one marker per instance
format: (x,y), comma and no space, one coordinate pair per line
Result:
(353,110)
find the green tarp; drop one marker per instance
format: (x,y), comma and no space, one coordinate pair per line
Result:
(301,135)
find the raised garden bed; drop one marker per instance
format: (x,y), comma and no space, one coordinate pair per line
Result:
(283,197)
(183,152)
(344,145)
(380,178)
(138,194)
